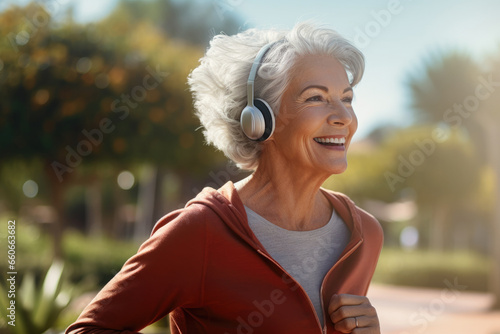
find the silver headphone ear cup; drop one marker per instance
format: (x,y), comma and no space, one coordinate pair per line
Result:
(268,117)
(252,123)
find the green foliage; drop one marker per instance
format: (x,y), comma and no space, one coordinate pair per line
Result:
(123,83)
(98,263)
(441,174)
(39,305)
(92,262)
(74,98)
(448,171)
(430,269)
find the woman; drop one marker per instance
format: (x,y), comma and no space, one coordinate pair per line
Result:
(273,253)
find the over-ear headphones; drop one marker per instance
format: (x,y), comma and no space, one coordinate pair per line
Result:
(257,118)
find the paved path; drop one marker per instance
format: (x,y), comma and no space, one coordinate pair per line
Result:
(451,310)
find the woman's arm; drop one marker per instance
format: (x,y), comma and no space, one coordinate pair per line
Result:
(166,273)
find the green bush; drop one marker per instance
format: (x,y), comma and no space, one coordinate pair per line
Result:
(37,306)
(99,259)
(430,269)
(89,264)
(93,260)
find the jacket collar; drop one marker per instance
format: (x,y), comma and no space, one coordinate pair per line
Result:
(228,205)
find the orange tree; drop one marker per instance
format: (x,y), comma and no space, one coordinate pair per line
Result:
(73,95)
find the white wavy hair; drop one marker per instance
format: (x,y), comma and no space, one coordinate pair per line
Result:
(218,84)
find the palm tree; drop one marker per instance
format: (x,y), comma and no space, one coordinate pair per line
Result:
(453,90)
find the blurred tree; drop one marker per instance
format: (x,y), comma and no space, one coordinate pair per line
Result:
(490,122)
(194,22)
(444,173)
(455,91)
(72,96)
(440,174)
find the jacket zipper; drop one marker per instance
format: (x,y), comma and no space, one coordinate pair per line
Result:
(348,253)
(353,248)
(298,285)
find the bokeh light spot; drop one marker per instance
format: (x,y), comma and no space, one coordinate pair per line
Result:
(83,65)
(42,96)
(102,80)
(30,188)
(22,38)
(125,180)
(409,237)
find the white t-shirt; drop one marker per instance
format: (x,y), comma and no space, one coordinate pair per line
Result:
(306,255)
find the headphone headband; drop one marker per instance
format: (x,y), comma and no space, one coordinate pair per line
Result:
(253,72)
(257,118)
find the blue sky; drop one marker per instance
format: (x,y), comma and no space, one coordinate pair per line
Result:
(396,36)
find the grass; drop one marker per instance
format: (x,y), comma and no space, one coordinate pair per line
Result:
(423,268)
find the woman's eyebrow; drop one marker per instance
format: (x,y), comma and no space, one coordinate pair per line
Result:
(324,88)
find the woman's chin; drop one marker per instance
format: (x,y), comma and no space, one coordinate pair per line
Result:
(336,168)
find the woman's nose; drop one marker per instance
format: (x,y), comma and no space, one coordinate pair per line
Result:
(340,115)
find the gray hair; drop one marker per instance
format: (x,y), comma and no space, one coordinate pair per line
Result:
(218,84)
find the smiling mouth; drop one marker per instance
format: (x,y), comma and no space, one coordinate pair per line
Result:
(331,141)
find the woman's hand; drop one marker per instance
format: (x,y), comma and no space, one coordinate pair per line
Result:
(353,314)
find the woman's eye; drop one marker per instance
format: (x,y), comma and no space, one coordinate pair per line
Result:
(315,98)
(347,100)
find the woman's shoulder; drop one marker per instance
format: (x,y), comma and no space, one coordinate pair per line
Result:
(191,218)
(210,211)
(342,202)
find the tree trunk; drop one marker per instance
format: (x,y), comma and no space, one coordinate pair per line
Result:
(57,200)
(494,155)
(437,230)
(94,208)
(145,203)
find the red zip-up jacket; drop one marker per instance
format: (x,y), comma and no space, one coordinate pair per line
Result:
(204,266)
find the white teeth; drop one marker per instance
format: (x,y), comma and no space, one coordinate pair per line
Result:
(330,140)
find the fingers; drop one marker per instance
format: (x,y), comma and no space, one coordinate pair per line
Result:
(338,301)
(348,325)
(353,314)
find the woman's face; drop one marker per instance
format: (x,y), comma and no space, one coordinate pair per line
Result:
(316,121)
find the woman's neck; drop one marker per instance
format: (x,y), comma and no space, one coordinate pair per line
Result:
(285,196)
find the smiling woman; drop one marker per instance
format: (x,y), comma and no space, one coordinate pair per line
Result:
(321,121)
(275,252)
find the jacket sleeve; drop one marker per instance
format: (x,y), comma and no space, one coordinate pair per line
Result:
(167,272)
